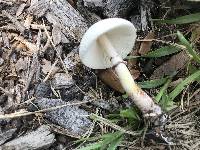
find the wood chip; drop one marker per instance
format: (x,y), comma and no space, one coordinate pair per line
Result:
(62,80)
(4,136)
(20,9)
(28,21)
(31,47)
(119,8)
(145,46)
(56,34)
(42,138)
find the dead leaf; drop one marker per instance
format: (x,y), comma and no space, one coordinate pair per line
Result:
(109,77)
(175,63)
(31,47)
(145,46)
(5,40)
(135,73)
(22,64)
(46,67)
(132,62)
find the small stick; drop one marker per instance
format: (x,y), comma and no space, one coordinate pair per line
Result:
(22,114)
(58,54)
(50,72)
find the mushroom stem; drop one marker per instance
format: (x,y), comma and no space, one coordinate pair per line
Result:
(140,98)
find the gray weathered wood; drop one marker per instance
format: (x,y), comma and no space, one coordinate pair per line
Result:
(112,8)
(119,8)
(4,136)
(72,118)
(39,139)
(62,14)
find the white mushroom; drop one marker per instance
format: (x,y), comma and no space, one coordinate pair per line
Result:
(104,45)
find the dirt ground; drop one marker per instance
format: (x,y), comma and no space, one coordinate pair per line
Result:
(47,95)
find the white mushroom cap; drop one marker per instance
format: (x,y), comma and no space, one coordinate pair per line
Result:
(121,34)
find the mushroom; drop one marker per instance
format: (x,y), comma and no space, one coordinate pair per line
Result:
(105,45)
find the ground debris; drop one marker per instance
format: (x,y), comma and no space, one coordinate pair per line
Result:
(110,104)
(14,20)
(145,46)
(62,80)
(41,138)
(62,14)
(119,8)
(72,118)
(111,8)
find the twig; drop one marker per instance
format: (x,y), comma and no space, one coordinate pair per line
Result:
(58,54)
(22,114)
(46,46)
(165,42)
(34,65)
(50,72)
(27,101)
(39,27)
(144,133)
(196,92)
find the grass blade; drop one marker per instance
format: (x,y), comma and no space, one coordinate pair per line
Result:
(184,83)
(166,103)
(132,57)
(181,20)
(93,146)
(152,83)
(162,90)
(163,51)
(188,46)
(130,113)
(108,141)
(115,143)
(112,125)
